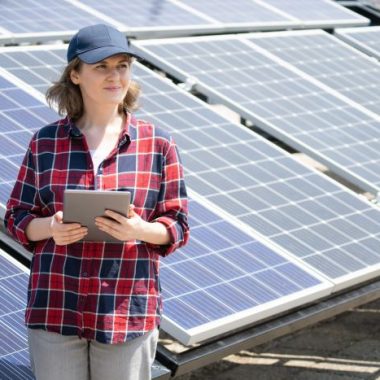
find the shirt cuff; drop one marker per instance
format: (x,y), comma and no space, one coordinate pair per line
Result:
(19,232)
(175,234)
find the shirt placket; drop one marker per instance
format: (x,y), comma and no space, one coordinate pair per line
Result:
(84,284)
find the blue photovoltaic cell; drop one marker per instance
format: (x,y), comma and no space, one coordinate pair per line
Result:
(48,16)
(366,39)
(14,357)
(333,63)
(279,101)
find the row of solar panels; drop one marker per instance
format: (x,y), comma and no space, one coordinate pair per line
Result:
(268,233)
(33,20)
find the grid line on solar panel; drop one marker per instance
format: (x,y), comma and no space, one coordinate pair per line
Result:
(330,61)
(210,277)
(315,11)
(261,94)
(21,115)
(149,13)
(365,39)
(176,111)
(48,16)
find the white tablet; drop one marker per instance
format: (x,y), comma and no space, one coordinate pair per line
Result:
(83,206)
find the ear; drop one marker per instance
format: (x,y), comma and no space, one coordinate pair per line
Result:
(74,76)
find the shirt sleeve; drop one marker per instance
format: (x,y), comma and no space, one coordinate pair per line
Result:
(22,206)
(172,206)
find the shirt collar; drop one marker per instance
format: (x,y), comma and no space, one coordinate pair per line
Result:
(127,133)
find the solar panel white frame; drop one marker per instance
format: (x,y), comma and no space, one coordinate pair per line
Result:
(351,36)
(216,96)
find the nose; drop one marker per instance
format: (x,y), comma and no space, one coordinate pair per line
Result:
(113,73)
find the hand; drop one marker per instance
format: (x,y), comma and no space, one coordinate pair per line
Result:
(120,227)
(65,233)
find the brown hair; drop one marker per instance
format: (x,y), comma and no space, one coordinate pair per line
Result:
(68,97)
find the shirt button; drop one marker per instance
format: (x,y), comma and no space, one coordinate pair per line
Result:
(84,274)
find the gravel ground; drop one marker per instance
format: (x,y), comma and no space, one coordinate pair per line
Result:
(346,347)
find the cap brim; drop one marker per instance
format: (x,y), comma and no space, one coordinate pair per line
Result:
(96,55)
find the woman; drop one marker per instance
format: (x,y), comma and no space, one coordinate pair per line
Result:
(94,307)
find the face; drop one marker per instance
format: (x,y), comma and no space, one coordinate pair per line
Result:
(105,82)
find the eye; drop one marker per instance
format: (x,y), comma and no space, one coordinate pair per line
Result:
(100,66)
(124,65)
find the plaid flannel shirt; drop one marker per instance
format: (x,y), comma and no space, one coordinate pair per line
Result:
(99,291)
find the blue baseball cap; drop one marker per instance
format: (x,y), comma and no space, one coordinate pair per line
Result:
(94,43)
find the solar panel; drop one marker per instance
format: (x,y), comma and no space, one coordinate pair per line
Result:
(262,186)
(14,356)
(365,39)
(225,279)
(279,99)
(330,61)
(254,12)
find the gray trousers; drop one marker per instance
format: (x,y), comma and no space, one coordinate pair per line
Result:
(58,357)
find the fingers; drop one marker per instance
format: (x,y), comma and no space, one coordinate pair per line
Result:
(69,239)
(58,216)
(115,216)
(131,211)
(69,236)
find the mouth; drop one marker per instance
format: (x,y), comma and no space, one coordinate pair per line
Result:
(113,88)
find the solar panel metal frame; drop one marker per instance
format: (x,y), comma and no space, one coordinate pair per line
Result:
(216,97)
(348,36)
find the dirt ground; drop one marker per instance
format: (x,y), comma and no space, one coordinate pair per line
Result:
(346,347)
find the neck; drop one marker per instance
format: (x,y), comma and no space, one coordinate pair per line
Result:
(100,118)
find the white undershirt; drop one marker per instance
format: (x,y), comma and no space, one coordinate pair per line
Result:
(98,155)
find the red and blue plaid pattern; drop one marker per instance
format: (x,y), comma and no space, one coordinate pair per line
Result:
(100,291)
